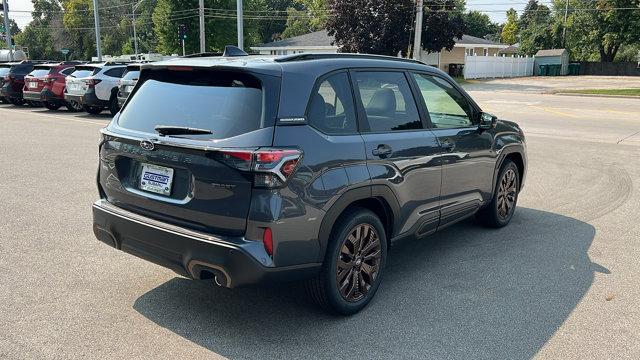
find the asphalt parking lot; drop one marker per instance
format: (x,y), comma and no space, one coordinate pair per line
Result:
(562,281)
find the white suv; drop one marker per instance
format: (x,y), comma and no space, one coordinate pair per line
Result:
(95,86)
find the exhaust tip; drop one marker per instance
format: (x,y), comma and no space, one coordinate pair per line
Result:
(204,271)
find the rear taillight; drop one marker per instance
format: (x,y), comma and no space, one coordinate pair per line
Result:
(49,80)
(272,167)
(267,241)
(92,82)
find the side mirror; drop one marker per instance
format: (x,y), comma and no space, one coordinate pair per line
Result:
(487,121)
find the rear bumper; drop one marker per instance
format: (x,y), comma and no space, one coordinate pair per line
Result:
(89,99)
(32,95)
(49,96)
(233,261)
(8,92)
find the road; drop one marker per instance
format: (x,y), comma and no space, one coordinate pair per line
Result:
(562,281)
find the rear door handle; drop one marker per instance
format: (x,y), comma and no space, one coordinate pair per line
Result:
(382,151)
(448,145)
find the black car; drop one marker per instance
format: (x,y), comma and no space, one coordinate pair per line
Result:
(13,81)
(244,169)
(128,81)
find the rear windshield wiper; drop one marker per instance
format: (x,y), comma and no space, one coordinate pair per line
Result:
(180,130)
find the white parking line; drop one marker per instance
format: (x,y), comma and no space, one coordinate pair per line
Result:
(57,117)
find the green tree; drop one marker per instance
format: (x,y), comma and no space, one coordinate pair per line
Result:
(305,16)
(606,30)
(443,23)
(43,33)
(537,29)
(371,26)
(14,30)
(479,24)
(510,28)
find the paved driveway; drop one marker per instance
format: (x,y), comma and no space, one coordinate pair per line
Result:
(562,281)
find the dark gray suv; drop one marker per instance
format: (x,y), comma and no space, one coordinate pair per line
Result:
(243,169)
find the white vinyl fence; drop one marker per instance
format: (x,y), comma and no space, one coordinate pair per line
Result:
(482,67)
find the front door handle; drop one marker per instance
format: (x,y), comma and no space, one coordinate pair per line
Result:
(448,145)
(382,151)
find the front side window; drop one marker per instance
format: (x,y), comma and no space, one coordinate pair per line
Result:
(387,101)
(447,107)
(331,109)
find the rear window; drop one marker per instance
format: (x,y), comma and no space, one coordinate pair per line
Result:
(40,72)
(4,70)
(131,75)
(83,72)
(228,104)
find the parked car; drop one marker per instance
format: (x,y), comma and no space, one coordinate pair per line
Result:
(14,81)
(46,83)
(98,90)
(4,76)
(243,170)
(128,81)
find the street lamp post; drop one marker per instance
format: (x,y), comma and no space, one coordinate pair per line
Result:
(96,19)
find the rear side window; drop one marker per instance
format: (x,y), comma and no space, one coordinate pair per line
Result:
(67,71)
(387,101)
(228,104)
(331,109)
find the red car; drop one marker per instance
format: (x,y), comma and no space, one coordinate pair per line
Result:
(46,84)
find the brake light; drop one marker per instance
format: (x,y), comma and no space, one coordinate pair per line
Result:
(272,167)
(267,241)
(92,82)
(49,80)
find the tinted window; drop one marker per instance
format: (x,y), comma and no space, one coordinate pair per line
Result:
(447,107)
(228,105)
(117,72)
(331,109)
(67,71)
(131,75)
(387,101)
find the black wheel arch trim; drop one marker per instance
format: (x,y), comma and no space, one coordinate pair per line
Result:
(513,148)
(349,197)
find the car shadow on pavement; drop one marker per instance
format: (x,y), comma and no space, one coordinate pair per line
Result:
(466,292)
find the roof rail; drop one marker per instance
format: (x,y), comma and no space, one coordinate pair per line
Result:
(320,56)
(202,54)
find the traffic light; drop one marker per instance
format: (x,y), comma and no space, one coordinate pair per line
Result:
(182,32)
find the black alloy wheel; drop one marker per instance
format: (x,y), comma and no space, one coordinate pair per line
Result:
(358,262)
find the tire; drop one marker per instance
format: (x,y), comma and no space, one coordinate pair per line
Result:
(324,289)
(113,106)
(93,110)
(74,106)
(16,101)
(51,106)
(34,104)
(505,194)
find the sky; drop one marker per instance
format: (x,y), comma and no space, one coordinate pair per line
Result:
(496,9)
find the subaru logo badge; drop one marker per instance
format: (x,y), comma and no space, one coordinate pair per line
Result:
(147,145)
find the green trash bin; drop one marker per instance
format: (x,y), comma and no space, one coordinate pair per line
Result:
(554,70)
(544,70)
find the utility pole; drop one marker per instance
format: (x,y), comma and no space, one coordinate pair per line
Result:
(7,28)
(240,25)
(417,39)
(135,34)
(564,27)
(202,34)
(96,18)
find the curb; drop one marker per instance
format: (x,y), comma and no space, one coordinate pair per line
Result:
(599,95)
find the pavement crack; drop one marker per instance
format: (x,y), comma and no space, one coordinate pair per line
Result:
(628,137)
